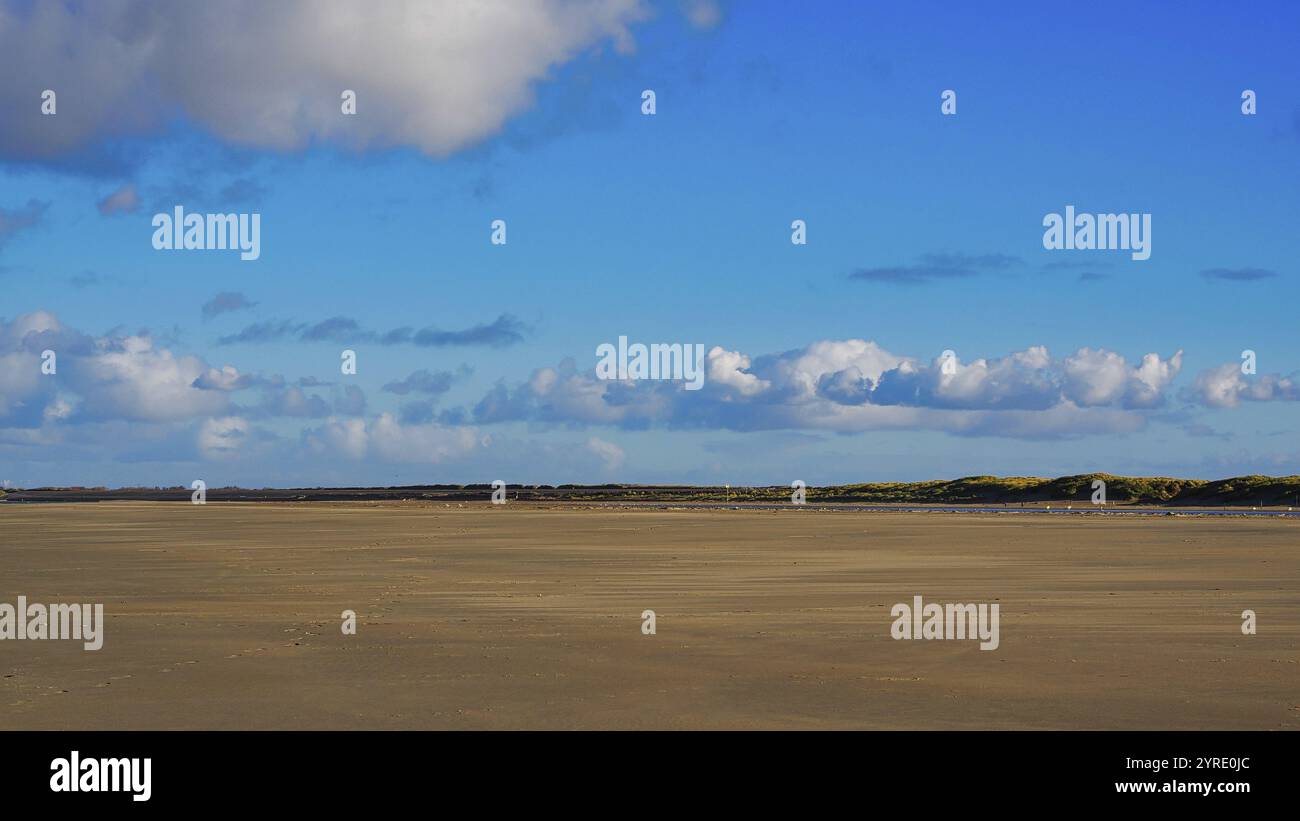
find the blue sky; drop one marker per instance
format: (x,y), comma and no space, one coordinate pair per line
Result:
(924,234)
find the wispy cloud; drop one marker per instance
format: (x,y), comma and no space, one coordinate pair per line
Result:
(931,267)
(1239,274)
(15,220)
(335,329)
(423,381)
(124,200)
(261,332)
(242,190)
(502,332)
(224,303)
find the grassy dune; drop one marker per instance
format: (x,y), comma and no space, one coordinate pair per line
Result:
(1237,491)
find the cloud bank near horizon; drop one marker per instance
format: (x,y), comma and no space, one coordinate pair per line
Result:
(163,405)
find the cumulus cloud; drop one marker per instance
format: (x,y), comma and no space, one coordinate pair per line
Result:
(100,378)
(856,385)
(802,373)
(131,378)
(224,437)
(228,378)
(175,405)
(23,392)
(437,76)
(730,370)
(128,378)
(1103,377)
(1226,387)
(128,398)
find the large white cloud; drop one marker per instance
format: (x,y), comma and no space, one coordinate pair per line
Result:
(25,391)
(1101,377)
(1226,386)
(129,378)
(125,378)
(802,371)
(434,74)
(856,385)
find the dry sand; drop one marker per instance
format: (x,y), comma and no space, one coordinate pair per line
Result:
(226,616)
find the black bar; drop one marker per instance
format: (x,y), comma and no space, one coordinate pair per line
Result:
(473,772)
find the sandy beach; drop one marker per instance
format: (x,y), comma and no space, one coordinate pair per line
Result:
(227,616)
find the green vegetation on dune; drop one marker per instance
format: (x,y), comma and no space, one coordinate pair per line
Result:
(1158,490)
(1015,490)
(1245,490)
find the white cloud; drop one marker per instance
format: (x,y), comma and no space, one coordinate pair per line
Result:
(728,369)
(389,440)
(703,14)
(1021,380)
(109,377)
(1150,379)
(608,452)
(425,443)
(132,379)
(1101,377)
(339,437)
(856,385)
(434,75)
(15,333)
(802,371)
(226,379)
(1226,386)
(128,378)
(224,437)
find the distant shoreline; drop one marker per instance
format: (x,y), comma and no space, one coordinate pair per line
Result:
(991,492)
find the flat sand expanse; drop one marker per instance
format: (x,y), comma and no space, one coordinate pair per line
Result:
(227,616)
